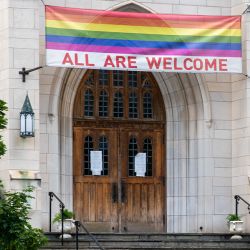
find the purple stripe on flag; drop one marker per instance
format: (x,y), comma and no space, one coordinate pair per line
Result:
(142,51)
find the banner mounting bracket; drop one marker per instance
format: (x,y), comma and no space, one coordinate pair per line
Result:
(25,72)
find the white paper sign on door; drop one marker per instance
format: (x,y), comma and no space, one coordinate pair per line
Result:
(140,164)
(96,162)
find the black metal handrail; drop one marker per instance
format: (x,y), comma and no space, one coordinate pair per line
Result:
(62,206)
(78,224)
(237,200)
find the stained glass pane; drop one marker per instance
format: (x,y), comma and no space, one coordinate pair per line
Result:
(103,146)
(103,104)
(88,103)
(88,146)
(147,105)
(132,79)
(132,152)
(103,77)
(133,102)
(117,78)
(118,105)
(147,148)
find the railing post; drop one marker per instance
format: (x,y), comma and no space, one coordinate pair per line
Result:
(77,232)
(90,235)
(236,204)
(50,209)
(62,230)
(62,206)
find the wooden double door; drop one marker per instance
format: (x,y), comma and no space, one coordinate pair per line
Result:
(117,200)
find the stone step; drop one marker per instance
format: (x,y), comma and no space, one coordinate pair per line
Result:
(151,241)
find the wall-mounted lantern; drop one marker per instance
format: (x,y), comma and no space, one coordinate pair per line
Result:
(27,119)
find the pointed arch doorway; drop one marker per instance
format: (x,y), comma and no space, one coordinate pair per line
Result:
(119,126)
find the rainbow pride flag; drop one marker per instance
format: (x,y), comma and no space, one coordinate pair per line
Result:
(142,41)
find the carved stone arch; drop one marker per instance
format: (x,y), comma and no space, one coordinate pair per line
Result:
(179,97)
(187,106)
(131,6)
(188,115)
(59,124)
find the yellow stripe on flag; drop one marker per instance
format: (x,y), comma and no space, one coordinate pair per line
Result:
(141,29)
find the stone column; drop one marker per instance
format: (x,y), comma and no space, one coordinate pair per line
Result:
(5,64)
(241,120)
(19,46)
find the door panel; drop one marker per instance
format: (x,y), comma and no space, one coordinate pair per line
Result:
(143,208)
(143,202)
(93,194)
(118,201)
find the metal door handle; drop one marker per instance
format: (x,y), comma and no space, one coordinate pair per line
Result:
(114,192)
(124,197)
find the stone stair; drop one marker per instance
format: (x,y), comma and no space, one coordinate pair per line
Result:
(147,241)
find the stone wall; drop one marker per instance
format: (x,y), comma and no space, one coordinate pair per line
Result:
(20,48)
(208,136)
(240,120)
(4,79)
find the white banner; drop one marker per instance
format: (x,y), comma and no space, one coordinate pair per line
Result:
(76,59)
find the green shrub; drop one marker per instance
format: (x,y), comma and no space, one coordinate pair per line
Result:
(66,215)
(233,217)
(3,123)
(16,231)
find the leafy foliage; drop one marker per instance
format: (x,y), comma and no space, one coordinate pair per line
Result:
(66,215)
(1,191)
(16,231)
(3,123)
(233,217)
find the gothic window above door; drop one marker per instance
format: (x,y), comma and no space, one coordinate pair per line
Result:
(122,95)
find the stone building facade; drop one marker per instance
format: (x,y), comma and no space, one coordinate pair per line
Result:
(207,143)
